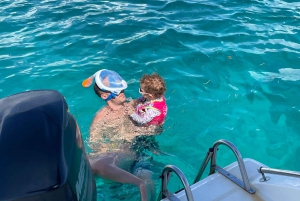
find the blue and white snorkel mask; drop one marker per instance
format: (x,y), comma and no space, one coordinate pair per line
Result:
(108,81)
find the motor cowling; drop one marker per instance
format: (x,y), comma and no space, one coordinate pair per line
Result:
(42,156)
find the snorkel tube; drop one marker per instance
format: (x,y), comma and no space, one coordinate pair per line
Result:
(107,81)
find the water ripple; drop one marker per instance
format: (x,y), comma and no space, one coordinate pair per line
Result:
(230,61)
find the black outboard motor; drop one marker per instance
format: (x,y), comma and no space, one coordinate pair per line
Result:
(42,156)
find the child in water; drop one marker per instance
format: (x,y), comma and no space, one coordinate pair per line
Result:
(151,107)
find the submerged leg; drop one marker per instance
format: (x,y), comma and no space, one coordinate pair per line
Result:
(146,175)
(106,168)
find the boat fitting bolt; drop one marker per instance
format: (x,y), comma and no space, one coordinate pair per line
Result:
(264,178)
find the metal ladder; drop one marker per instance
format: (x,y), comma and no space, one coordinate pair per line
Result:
(166,174)
(210,156)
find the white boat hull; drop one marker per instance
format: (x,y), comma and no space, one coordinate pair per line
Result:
(216,187)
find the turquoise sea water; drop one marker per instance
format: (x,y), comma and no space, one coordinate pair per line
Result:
(231,67)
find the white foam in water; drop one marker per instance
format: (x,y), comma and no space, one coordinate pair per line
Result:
(286,74)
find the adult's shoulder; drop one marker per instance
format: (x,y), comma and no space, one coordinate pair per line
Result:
(100,114)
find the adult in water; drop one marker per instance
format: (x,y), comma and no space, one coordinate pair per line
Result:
(112,134)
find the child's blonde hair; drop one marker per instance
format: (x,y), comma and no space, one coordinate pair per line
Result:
(153,84)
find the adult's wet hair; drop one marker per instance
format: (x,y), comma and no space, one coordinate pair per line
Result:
(98,91)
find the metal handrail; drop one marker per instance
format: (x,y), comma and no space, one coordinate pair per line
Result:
(166,173)
(239,160)
(204,164)
(264,170)
(212,154)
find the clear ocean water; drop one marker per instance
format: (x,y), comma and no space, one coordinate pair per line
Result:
(231,67)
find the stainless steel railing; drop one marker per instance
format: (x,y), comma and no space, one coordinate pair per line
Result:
(212,154)
(264,170)
(165,179)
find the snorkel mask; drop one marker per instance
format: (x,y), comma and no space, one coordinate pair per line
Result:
(107,81)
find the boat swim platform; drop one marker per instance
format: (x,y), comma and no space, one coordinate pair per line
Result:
(243,180)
